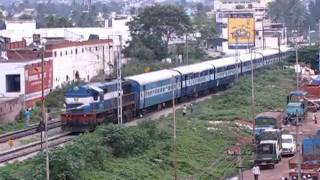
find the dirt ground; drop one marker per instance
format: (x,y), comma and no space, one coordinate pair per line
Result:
(308,128)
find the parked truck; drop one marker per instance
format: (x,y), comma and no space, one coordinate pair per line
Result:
(296,107)
(269,148)
(268,120)
(310,159)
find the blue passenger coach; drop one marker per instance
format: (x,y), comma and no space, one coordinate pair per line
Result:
(225,70)
(196,78)
(155,88)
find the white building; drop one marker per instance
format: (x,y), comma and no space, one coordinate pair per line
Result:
(83,59)
(21,25)
(18,30)
(244,4)
(64,62)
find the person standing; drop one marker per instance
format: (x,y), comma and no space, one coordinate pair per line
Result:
(184,110)
(256,172)
(28,114)
(315,118)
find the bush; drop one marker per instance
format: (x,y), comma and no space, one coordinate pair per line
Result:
(131,141)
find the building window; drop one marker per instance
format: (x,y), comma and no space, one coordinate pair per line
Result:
(96,48)
(55,54)
(66,52)
(13,83)
(60,53)
(76,51)
(71,51)
(90,49)
(82,50)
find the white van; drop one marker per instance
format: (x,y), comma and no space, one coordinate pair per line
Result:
(288,144)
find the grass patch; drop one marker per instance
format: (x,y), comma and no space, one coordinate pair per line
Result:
(145,152)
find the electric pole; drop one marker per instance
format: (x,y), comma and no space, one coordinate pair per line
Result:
(298,146)
(174,130)
(240,165)
(236,56)
(119,83)
(253,97)
(44,117)
(297,66)
(187,50)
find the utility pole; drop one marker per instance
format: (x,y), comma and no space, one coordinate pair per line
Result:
(253,98)
(174,129)
(279,50)
(240,165)
(236,56)
(44,117)
(263,39)
(298,146)
(309,35)
(297,66)
(104,61)
(319,42)
(187,49)
(119,83)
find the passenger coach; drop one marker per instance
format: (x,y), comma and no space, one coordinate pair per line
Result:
(91,104)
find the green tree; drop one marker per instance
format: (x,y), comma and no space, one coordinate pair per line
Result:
(53,22)
(314,8)
(290,12)
(204,25)
(156,25)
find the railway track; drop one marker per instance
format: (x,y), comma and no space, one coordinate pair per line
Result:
(33,147)
(28,131)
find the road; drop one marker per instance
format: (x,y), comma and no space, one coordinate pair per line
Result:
(308,128)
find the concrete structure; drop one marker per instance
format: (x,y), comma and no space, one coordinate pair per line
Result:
(10,108)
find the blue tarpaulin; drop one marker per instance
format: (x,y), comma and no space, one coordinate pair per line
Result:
(315,81)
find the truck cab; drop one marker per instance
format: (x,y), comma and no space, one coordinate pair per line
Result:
(268,153)
(296,107)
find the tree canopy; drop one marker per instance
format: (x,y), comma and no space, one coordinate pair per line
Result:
(205,25)
(52,21)
(156,25)
(290,12)
(314,8)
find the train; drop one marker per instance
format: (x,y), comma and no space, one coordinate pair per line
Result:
(92,104)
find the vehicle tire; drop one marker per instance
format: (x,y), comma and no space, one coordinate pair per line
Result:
(272,166)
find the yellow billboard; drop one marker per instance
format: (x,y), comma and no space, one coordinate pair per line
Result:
(241,32)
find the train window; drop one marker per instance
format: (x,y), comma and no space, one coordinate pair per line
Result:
(105,90)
